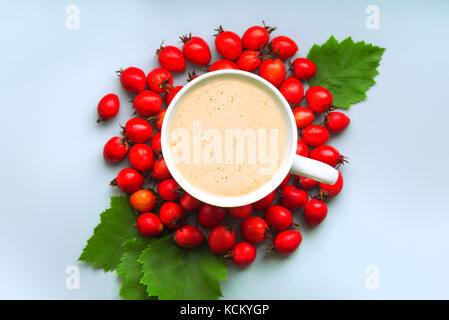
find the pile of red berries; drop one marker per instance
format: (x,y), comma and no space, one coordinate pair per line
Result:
(141,141)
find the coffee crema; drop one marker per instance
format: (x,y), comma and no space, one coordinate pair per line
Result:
(228,136)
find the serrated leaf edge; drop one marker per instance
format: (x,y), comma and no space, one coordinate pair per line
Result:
(333,40)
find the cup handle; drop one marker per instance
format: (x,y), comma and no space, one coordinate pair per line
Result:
(314,169)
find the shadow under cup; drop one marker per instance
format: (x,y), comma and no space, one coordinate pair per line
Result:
(285,159)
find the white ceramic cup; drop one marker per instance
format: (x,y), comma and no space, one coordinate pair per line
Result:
(291,162)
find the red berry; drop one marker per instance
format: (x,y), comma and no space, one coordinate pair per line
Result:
(265,202)
(303,116)
(327,154)
(156,142)
(138,130)
(273,71)
(168,190)
(285,181)
(254,229)
(302,149)
(242,212)
(189,203)
(133,79)
(147,103)
(141,157)
(293,197)
(243,254)
(189,236)
(129,180)
(315,211)
(221,239)
(115,149)
(306,183)
(142,200)
(171,93)
(196,50)
(292,90)
(108,107)
(159,80)
(210,216)
(284,47)
(223,64)
(287,241)
(337,121)
(249,60)
(315,135)
(278,217)
(171,58)
(171,215)
(331,190)
(303,68)
(228,44)
(319,99)
(256,37)
(149,224)
(159,119)
(160,170)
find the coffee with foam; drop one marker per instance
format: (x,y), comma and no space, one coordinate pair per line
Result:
(228,136)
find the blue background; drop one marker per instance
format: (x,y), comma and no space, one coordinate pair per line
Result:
(392,212)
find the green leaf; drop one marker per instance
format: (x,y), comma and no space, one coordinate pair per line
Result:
(172,272)
(130,270)
(117,224)
(347,69)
